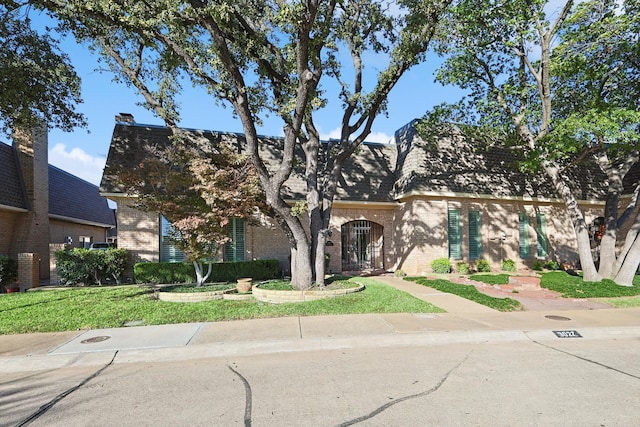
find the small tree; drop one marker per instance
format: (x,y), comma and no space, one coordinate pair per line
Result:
(8,270)
(197,188)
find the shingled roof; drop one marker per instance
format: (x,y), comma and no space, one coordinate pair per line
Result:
(70,198)
(454,164)
(12,192)
(367,176)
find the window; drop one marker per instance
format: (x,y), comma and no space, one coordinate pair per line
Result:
(234,250)
(455,235)
(168,252)
(523,230)
(84,242)
(475,241)
(541,232)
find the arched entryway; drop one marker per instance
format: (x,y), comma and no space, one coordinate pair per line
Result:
(362,246)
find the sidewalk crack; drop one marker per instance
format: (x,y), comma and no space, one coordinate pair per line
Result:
(44,408)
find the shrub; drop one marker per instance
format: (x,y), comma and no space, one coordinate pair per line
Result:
(552,265)
(79,266)
(8,270)
(183,272)
(462,268)
(508,265)
(483,266)
(399,273)
(537,265)
(441,265)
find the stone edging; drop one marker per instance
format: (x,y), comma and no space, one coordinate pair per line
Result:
(279,297)
(230,294)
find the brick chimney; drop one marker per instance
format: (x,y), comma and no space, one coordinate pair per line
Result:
(32,230)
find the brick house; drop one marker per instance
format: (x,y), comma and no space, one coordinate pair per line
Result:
(42,206)
(399,206)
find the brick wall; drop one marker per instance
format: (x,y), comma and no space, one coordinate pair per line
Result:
(32,229)
(28,270)
(138,231)
(7,227)
(53,274)
(59,230)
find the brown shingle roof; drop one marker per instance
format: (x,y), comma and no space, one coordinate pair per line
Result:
(367,176)
(12,191)
(455,164)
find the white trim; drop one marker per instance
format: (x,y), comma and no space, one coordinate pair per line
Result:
(450,194)
(12,208)
(80,221)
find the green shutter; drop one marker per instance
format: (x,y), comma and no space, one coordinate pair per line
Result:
(541,232)
(455,235)
(168,252)
(523,229)
(234,250)
(475,240)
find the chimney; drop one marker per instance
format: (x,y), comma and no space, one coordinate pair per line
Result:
(32,230)
(125,118)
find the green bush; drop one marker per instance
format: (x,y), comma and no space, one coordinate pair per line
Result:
(183,272)
(441,265)
(8,270)
(462,268)
(537,265)
(483,266)
(552,265)
(508,265)
(79,266)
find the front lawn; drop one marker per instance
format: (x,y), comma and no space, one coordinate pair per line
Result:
(107,307)
(574,287)
(469,292)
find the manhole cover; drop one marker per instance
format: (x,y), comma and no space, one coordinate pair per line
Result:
(95,339)
(554,317)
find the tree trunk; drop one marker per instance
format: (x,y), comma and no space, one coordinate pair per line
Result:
(630,266)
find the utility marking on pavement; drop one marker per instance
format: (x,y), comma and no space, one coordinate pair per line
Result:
(95,339)
(567,334)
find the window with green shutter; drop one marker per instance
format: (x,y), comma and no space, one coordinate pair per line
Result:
(168,252)
(523,230)
(455,235)
(541,232)
(234,249)
(475,241)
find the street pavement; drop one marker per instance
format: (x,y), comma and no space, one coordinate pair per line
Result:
(464,322)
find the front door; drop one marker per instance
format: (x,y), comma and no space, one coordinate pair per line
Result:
(362,246)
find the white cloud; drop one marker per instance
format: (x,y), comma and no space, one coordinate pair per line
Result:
(380,137)
(77,162)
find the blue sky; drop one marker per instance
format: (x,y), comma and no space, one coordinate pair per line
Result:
(83,152)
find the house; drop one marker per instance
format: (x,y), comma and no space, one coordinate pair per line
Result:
(398,206)
(42,208)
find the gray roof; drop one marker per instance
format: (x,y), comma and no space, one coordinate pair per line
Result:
(368,176)
(69,196)
(383,172)
(452,163)
(72,197)
(12,192)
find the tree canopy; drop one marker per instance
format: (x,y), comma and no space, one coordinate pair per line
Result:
(38,81)
(268,58)
(562,85)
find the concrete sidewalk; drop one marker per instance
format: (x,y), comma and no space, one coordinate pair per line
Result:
(464,322)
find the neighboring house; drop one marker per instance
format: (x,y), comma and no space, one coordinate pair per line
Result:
(43,206)
(399,206)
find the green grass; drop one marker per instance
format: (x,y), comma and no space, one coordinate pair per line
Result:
(574,287)
(194,288)
(471,293)
(106,307)
(621,302)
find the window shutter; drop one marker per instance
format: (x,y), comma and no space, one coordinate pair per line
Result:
(168,252)
(234,250)
(523,229)
(455,238)
(475,241)
(541,232)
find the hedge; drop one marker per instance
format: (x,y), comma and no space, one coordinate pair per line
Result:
(80,266)
(183,272)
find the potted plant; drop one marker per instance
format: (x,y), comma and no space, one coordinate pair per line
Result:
(8,274)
